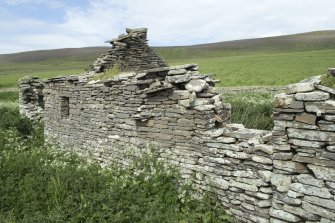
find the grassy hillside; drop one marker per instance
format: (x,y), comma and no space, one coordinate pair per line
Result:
(264,61)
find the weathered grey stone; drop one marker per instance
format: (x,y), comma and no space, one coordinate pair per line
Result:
(220,183)
(327,203)
(265,148)
(330,117)
(281,148)
(312,96)
(282,100)
(282,182)
(326,89)
(284,215)
(185,103)
(204,107)
(261,159)
(180,94)
(300,212)
(311,135)
(323,173)
(176,72)
(282,156)
(317,161)
(310,180)
(294,194)
(310,190)
(196,85)
(306,143)
(299,87)
(243,186)
(290,166)
(330,128)
(178,78)
(318,210)
(265,175)
(226,139)
(321,107)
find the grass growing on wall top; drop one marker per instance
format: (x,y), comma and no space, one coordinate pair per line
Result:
(40,184)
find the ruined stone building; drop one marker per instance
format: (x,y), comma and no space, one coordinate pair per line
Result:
(283,175)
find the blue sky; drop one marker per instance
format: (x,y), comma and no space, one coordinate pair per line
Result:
(48,24)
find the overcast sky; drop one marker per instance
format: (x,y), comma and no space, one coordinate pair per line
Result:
(48,24)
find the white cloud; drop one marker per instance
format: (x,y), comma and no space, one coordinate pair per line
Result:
(172,22)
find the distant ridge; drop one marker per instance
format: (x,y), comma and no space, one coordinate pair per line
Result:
(297,42)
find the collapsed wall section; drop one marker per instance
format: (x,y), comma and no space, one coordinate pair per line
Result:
(31,98)
(130,52)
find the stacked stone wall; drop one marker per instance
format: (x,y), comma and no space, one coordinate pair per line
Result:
(130,52)
(283,175)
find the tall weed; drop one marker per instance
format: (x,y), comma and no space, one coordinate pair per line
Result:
(253,110)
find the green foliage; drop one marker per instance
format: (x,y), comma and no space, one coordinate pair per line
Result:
(253,110)
(263,68)
(328,80)
(109,73)
(9,96)
(40,184)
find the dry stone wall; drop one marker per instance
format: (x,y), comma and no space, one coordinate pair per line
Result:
(304,154)
(284,175)
(129,52)
(31,98)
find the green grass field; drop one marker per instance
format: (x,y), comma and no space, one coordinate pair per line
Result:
(11,72)
(257,62)
(264,69)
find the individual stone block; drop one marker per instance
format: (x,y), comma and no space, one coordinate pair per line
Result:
(185,103)
(282,182)
(323,173)
(327,203)
(284,215)
(265,175)
(306,143)
(311,190)
(196,85)
(290,166)
(318,210)
(299,87)
(261,159)
(176,72)
(306,118)
(282,156)
(321,107)
(282,100)
(310,180)
(301,212)
(312,96)
(316,161)
(243,186)
(179,94)
(264,148)
(311,135)
(178,78)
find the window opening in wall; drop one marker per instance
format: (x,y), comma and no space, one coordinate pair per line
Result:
(64,107)
(41,100)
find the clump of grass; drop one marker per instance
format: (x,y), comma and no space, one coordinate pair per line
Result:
(253,110)
(109,73)
(9,96)
(40,184)
(328,80)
